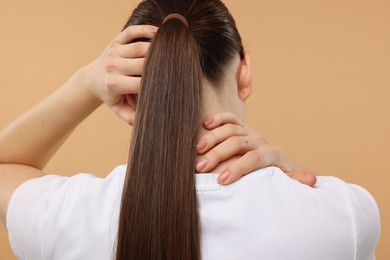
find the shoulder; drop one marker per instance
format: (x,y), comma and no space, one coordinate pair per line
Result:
(334,217)
(61,210)
(362,208)
(82,185)
(366,215)
(334,197)
(11,177)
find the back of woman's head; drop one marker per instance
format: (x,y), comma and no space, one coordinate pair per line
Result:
(159,215)
(210,23)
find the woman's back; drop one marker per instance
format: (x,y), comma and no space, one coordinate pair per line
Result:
(265,215)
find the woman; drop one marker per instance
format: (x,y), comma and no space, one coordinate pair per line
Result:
(195,67)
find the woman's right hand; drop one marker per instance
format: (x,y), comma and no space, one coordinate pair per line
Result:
(115,77)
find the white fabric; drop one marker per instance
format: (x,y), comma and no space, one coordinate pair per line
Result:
(265,215)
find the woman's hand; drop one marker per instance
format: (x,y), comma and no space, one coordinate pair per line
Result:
(29,142)
(228,138)
(34,137)
(115,77)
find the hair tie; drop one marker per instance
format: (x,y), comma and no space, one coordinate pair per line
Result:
(177,16)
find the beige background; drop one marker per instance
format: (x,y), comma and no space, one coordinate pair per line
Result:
(321,68)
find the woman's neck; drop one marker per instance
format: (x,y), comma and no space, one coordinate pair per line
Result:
(217,102)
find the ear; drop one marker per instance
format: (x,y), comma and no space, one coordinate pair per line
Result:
(244,79)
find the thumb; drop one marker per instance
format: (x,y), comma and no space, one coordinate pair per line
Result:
(304,177)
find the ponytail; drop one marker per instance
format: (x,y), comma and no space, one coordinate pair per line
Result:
(159,212)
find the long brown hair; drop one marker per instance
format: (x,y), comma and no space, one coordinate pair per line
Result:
(159,212)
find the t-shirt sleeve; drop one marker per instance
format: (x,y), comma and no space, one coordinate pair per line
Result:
(367,222)
(32,215)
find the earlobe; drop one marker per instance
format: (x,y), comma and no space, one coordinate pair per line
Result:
(244,86)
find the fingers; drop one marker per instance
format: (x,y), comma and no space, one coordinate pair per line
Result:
(118,70)
(125,109)
(254,160)
(121,85)
(304,177)
(135,32)
(132,101)
(219,119)
(229,138)
(248,163)
(218,135)
(127,67)
(125,112)
(124,63)
(133,50)
(233,146)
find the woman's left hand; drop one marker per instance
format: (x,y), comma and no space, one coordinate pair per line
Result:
(228,138)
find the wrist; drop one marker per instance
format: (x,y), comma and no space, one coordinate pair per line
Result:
(85,84)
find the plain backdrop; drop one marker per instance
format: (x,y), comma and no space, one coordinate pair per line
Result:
(321,74)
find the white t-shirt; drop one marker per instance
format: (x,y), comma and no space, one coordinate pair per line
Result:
(265,215)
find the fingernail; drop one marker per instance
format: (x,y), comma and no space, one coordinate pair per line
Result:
(154,30)
(223,177)
(209,121)
(201,164)
(201,145)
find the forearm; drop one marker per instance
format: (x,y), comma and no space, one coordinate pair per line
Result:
(34,137)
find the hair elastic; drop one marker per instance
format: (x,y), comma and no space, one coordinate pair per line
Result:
(177,16)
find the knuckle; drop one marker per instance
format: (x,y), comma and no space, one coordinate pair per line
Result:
(110,64)
(255,156)
(233,118)
(231,128)
(237,141)
(273,151)
(129,32)
(211,136)
(213,156)
(110,83)
(259,139)
(138,49)
(125,36)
